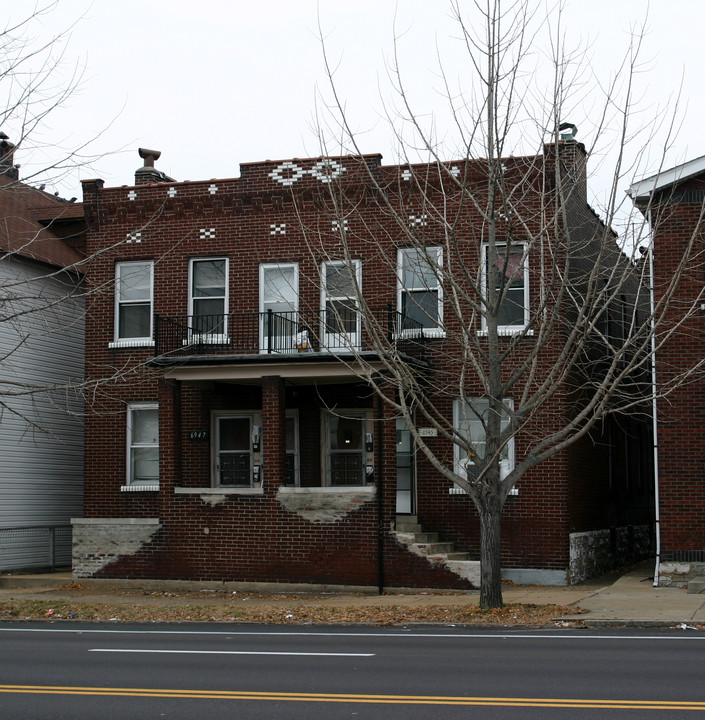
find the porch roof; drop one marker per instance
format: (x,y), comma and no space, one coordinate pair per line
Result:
(300,368)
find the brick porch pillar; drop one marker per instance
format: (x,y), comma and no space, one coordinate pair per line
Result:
(170,447)
(273,432)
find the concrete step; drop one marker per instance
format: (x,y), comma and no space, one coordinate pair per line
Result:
(426,537)
(458,556)
(435,548)
(407,523)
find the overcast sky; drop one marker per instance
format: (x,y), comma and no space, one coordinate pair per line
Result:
(215,83)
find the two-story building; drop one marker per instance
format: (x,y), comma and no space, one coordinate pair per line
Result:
(239,436)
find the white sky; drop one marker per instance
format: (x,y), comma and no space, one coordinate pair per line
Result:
(219,82)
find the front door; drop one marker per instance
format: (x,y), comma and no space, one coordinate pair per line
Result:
(405,469)
(233,463)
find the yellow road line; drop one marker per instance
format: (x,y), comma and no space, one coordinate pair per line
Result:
(354,698)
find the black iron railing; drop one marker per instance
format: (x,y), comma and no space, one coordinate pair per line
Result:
(343,331)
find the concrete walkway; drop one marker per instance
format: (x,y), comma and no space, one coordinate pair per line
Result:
(629,599)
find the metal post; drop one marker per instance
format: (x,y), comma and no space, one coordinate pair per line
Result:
(270,335)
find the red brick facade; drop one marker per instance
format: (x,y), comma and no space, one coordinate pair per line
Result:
(288,524)
(673,203)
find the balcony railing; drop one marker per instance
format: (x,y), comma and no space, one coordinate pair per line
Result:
(339,332)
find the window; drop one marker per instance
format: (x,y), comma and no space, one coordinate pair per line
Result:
(143,444)
(345,436)
(469,420)
(420,294)
(510,277)
(133,302)
(208,298)
(279,305)
(341,321)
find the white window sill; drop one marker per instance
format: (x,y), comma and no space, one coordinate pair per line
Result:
(219,491)
(153,487)
(508,331)
(131,342)
(288,490)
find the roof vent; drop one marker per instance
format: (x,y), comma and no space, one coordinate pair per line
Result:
(572,131)
(148,173)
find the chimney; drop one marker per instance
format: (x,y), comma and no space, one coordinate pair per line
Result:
(7,158)
(148,173)
(566,162)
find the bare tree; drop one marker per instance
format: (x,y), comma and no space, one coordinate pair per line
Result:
(502,268)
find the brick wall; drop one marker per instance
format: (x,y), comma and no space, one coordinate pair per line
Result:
(275,212)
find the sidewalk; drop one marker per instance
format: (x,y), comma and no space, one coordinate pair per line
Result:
(627,600)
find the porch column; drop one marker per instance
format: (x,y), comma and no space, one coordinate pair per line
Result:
(170,446)
(273,431)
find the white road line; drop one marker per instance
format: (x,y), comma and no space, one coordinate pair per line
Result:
(229,652)
(391,634)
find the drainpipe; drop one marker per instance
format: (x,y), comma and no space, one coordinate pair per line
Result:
(654,415)
(380,503)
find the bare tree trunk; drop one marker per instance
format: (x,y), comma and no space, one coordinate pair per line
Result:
(490,566)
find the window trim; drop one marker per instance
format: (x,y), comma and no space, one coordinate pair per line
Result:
(430,331)
(131,484)
(507,329)
(209,338)
(458,465)
(137,341)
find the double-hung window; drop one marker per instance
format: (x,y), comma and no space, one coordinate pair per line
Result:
(134,282)
(208,299)
(341,321)
(143,444)
(470,422)
(419,289)
(507,278)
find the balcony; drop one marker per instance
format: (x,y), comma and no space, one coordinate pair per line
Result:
(301,334)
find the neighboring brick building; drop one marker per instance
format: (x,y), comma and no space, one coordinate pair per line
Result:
(673,203)
(237,440)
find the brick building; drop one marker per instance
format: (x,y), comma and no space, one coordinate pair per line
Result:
(239,437)
(673,203)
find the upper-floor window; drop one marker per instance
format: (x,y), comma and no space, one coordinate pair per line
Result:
(143,444)
(419,290)
(279,306)
(134,282)
(341,322)
(208,297)
(508,276)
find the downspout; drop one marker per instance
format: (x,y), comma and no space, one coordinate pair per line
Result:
(380,503)
(654,415)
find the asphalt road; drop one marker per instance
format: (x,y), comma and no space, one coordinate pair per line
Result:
(63,671)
